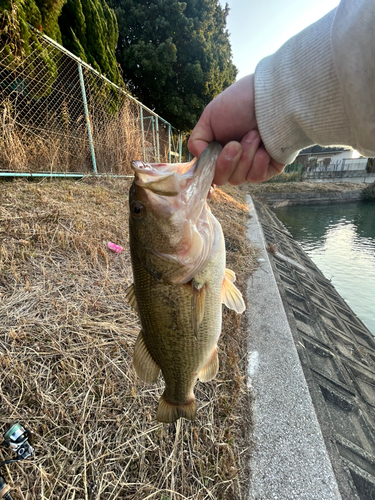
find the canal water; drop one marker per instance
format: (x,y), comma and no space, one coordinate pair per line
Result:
(340,240)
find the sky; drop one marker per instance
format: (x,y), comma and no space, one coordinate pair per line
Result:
(259,27)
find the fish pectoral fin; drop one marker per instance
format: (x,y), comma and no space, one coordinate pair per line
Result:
(198,299)
(210,370)
(230,275)
(230,294)
(130,296)
(170,412)
(144,365)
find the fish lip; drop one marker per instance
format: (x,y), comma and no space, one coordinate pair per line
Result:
(184,169)
(164,169)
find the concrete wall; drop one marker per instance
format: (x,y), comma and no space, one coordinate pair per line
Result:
(352,175)
(355,164)
(309,198)
(340,164)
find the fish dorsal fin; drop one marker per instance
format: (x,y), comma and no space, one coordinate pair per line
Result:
(198,299)
(210,370)
(230,294)
(130,296)
(144,365)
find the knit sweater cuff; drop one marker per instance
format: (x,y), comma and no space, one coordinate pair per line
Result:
(298,101)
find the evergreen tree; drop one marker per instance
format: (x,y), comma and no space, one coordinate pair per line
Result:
(174,56)
(49,10)
(15,34)
(89,30)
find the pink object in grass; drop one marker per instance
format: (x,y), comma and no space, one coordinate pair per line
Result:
(114,247)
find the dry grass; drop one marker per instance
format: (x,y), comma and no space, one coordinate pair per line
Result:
(66,341)
(119,141)
(300,187)
(49,148)
(53,144)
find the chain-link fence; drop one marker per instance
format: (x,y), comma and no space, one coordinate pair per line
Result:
(60,115)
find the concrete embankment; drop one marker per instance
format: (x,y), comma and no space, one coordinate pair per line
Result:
(309,198)
(312,373)
(354,176)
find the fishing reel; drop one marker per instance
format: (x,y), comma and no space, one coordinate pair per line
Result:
(16,438)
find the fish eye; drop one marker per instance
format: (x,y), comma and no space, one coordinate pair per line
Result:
(137,210)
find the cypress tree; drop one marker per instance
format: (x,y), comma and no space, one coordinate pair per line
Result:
(89,30)
(14,30)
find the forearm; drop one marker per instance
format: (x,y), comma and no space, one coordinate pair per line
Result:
(319,88)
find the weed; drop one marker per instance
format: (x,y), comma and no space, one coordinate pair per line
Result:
(66,341)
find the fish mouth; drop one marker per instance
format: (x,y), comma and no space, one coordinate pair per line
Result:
(170,179)
(165,179)
(179,237)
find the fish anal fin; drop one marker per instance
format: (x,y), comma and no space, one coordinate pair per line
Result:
(130,296)
(231,296)
(170,412)
(144,365)
(210,370)
(198,298)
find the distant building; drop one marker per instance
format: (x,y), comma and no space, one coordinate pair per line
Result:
(320,158)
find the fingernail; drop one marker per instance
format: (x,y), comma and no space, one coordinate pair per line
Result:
(251,136)
(234,149)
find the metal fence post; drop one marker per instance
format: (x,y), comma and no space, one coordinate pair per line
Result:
(153,138)
(169,144)
(87,117)
(180,148)
(157,140)
(142,132)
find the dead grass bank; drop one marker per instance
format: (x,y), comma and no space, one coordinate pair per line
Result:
(301,187)
(66,341)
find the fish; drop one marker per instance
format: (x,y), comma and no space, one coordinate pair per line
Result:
(177,252)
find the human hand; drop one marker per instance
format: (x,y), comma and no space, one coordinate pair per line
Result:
(230,119)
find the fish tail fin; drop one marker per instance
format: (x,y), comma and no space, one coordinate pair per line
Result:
(169,412)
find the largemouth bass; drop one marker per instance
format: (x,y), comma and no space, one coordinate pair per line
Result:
(180,281)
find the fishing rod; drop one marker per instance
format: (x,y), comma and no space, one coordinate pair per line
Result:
(16,438)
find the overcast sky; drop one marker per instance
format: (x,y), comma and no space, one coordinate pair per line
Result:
(259,27)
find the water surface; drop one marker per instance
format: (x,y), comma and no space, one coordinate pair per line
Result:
(340,239)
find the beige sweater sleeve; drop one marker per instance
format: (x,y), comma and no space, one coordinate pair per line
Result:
(319,87)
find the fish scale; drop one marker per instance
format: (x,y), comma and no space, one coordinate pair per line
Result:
(165,313)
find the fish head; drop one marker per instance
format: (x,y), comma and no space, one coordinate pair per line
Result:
(170,225)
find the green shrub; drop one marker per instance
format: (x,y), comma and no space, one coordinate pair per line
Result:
(368,193)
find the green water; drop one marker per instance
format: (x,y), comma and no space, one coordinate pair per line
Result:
(340,239)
